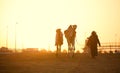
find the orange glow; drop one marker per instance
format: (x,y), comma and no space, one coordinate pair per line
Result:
(37,21)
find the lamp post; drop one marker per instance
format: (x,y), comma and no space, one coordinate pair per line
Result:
(7,36)
(15,37)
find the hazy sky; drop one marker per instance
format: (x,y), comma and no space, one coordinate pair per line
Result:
(37,20)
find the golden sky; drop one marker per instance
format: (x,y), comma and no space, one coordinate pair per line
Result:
(37,20)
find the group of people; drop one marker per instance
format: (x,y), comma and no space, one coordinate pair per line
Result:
(70,35)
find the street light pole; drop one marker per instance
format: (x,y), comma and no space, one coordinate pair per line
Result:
(7,36)
(15,37)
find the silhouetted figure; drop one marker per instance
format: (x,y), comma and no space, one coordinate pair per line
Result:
(86,47)
(92,43)
(58,41)
(70,35)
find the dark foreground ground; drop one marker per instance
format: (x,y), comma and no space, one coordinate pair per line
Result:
(49,63)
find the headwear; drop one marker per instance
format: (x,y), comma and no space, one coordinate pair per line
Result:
(93,33)
(57,30)
(74,26)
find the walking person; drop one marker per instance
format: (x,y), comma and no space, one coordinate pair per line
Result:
(58,41)
(92,43)
(70,35)
(73,37)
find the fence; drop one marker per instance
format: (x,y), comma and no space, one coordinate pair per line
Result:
(111,47)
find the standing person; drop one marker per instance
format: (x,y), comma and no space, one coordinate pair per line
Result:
(58,41)
(73,37)
(70,35)
(86,48)
(92,43)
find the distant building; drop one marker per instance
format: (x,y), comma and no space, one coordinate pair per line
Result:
(30,50)
(5,49)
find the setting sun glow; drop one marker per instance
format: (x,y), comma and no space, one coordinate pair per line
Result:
(33,23)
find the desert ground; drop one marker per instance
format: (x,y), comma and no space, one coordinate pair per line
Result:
(49,63)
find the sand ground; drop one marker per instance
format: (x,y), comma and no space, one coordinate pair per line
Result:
(49,63)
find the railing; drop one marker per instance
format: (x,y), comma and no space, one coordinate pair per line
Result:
(109,47)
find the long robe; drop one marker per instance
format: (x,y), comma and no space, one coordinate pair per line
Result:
(92,43)
(59,38)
